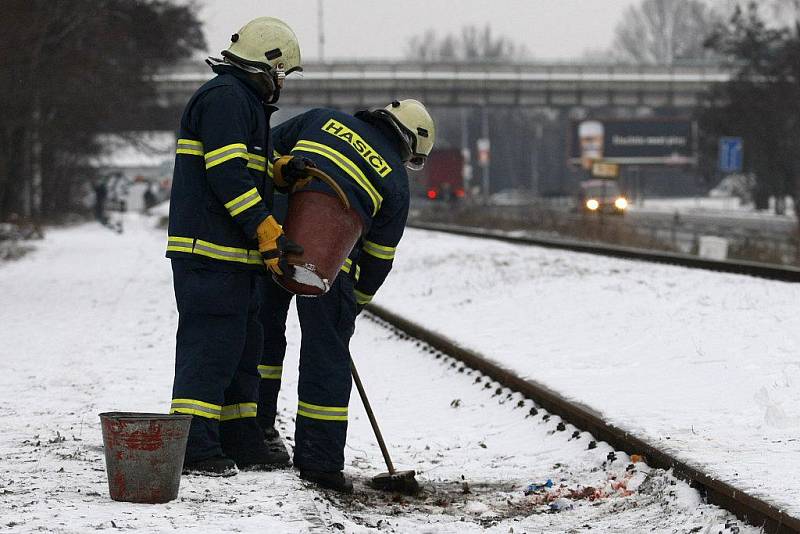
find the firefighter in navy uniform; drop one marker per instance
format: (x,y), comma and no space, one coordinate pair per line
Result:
(221,235)
(366,154)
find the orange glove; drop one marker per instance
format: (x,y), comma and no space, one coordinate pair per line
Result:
(289,172)
(274,246)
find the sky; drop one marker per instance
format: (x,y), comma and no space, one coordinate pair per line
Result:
(364,29)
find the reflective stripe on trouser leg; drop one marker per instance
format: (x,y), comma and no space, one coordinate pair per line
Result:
(274,309)
(324,385)
(270,372)
(238,411)
(212,337)
(196,407)
(322,413)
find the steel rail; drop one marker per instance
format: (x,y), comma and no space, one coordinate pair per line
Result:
(750,509)
(752,268)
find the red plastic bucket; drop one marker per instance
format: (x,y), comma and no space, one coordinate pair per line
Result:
(327,231)
(144,455)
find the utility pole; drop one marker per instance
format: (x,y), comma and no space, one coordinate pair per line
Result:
(321,31)
(537,148)
(485,159)
(466,154)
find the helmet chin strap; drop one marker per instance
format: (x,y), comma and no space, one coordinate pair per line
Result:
(276,94)
(276,83)
(271,81)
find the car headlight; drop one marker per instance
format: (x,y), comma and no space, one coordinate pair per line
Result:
(592,204)
(621,203)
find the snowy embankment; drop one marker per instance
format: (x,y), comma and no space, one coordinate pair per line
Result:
(712,206)
(702,364)
(88,326)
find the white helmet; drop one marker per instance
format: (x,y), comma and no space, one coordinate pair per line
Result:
(266,44)
(415,126)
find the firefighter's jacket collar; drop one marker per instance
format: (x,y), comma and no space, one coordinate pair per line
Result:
(242,76)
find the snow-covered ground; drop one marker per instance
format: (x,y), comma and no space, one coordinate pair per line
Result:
(703,364)
(88,326)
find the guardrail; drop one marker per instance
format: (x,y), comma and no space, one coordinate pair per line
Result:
(761,270)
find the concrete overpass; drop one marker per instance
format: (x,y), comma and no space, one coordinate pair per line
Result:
(532,85)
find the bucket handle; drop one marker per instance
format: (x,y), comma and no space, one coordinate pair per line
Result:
(324,177)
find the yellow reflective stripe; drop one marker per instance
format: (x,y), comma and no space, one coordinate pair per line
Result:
(382,248)
(202,250)
(348,266)
(362,298)
(218,252)
(323,417)
(228,152)
(275,155)
(238,411)
(189,151)
(246,206)
(191,143)
(325,413)
(346,164)
(379,251)
(195,148)
(190,147)
(321,407)
(243,202)
(212,250)
(270,372)
(180,244)
(257,162)
(196,407)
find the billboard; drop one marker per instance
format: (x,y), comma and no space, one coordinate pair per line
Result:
(649,141)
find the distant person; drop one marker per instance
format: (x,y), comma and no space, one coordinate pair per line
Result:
(100,194)
(118,189)
(149,197)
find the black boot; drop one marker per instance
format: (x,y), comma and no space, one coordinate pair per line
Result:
(216,466)
(277,448)
(334,480)
(203,453)
(243,441)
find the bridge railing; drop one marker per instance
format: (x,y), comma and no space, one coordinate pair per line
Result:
(517,72)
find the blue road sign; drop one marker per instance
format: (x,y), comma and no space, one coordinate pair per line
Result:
(731,151)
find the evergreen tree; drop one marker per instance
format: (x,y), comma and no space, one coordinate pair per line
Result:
(761,102)
(69,71)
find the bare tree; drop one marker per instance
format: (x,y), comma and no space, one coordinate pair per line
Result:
(664,31)
(776,13)
(785,12)
(471,44)
(760,104)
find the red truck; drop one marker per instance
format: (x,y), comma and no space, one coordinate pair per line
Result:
(442,178)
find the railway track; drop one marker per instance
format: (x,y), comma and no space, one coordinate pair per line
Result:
(761,270)
(750,509)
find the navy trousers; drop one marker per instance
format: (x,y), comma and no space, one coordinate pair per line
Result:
(219,344)
(327,324)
